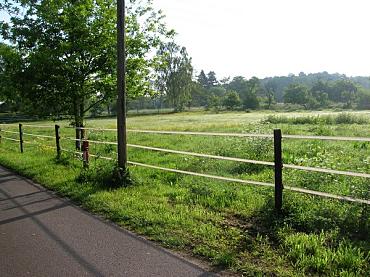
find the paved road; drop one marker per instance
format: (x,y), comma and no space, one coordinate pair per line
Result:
(44,235)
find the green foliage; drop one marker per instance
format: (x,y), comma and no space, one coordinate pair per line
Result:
(247,90)
(331,84)
(202,79)
(214,102)
(68,52)
(10,63)
(175,75)
(211,79)
(296,94)
(364,100)
(232,100)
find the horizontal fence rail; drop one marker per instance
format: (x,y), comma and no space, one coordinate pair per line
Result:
(10,139)
(330,171)
(39,126)
(9,132)
(27,125)
(328,195)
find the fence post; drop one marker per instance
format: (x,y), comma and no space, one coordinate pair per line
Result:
(21,137)
(0,135)
(85,149)
(278,170)
(57,140)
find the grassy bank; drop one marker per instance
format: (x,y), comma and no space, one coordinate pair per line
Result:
(231,225)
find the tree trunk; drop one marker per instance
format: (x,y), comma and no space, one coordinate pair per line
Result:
(77,123)
(79,117)
(82,116)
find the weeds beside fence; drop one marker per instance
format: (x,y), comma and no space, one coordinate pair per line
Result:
(277,165)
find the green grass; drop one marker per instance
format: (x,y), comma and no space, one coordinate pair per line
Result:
(231,225)
(342,118)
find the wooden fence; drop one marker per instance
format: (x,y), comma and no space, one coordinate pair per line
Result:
(277,165)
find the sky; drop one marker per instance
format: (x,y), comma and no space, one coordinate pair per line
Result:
(273,37)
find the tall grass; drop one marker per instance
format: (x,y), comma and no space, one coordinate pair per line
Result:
(342,118)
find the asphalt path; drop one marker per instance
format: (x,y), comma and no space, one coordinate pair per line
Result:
(42,234)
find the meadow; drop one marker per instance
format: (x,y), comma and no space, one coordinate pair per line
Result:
(234,226)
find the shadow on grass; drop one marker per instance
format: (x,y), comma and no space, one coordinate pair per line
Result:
(307,214)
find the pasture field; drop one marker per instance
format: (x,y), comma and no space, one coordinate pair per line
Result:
(234,226)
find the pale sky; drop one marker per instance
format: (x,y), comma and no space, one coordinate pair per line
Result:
(273,37)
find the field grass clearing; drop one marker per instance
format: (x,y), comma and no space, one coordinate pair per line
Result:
(231,225)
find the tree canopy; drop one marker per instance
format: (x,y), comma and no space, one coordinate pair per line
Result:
(67,51)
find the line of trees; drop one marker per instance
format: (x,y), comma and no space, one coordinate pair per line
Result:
(240,93)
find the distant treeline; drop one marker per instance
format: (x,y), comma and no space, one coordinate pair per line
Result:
(303,91)
(293,92)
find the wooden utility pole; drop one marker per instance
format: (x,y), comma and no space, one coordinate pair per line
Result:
(121,88)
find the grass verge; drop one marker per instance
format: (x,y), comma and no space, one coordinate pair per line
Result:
(231,226)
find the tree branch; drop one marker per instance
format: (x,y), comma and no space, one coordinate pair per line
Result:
(95,104)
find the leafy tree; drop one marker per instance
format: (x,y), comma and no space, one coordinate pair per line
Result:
(218,91)
(247,90)
(202,79)
(211,79)
(224,81)
(364,100)
(198,95)
(297,94)
(68,51)
(10,62)
(214,102)
(232,100)
(270,89)
(175,75)
(238,84)
(346,92)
